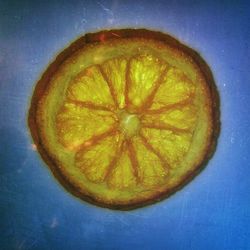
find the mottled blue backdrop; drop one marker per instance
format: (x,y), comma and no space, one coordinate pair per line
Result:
(212,212)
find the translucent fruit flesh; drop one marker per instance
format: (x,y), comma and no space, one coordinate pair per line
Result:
(92,110)
(126,129)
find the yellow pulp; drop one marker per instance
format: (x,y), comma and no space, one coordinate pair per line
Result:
(128,125)
(129,121)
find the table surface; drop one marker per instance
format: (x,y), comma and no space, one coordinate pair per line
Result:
(211,212)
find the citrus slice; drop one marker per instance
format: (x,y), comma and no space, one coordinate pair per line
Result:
(124,118)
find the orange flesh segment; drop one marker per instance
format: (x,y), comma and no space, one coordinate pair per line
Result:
(95,158)
(173,146)
(122,175)
(138,85)
(175,89)
(177,119)
(152,169)
(115,72)
(90,86)
(76,124)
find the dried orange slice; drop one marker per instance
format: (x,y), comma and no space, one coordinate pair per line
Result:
(124,118)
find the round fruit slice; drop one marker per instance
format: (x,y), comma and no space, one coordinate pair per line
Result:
(124,118)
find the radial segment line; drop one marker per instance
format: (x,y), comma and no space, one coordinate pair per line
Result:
(181,104)
(90,105)
(145,142)
(149,100)
(113,163)
(133,158)
(94,140)
(166,127)
(110,85)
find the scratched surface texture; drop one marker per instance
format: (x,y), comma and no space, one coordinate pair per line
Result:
(212,212)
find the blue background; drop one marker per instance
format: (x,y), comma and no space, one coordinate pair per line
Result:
(212,212)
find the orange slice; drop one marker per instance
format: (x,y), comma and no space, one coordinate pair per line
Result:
(124,118)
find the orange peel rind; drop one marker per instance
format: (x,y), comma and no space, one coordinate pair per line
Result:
(124,118)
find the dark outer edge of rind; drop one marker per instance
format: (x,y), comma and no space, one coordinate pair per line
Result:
(119,34)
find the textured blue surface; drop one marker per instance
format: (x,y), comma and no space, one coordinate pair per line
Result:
(212,212)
